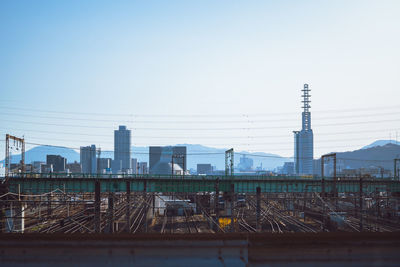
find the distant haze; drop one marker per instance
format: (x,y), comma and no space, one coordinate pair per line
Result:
(384,150)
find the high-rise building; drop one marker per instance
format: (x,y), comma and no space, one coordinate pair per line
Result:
(88,159)
(122,150)
(135,166)
(57,161)
(163,160)
(303,140)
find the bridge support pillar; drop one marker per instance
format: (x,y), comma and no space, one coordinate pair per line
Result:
(97,207)
(304,205)
(145,205)
(49,210)
(128,207)
(216,204)
(2,219)
(153,197)
(232,193)
(216,199)
(258,208)
(361,204)
(110,219)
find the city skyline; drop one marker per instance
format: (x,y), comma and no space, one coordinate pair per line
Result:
(369,159)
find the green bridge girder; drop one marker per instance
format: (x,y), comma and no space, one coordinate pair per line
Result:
(194,184)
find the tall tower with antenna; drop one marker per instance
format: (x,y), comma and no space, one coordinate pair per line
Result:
(304,139)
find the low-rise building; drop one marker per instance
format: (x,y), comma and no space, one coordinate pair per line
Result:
(74,167)
(57,161)
(204,169)
(103,164)
(143,168)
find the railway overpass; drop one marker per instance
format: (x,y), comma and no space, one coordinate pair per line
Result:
(194,184)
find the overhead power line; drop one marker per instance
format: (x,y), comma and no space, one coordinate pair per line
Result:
(245,136)
(132,115)
(206,143)
(205,128)
(242,119)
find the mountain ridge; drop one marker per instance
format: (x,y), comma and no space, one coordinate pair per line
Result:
(381,143)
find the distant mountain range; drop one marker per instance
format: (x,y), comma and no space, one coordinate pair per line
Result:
(379,155)
(39,153)
(381,143)
(214,156)
(385,150)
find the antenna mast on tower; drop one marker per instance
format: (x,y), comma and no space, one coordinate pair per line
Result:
(306,108)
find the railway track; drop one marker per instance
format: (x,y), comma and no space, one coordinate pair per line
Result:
(291,223)
(191,224)
(243,223)
(267,216)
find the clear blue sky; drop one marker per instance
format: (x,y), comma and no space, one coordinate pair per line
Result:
(239,64)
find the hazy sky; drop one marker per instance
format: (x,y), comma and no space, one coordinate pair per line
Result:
(218,73)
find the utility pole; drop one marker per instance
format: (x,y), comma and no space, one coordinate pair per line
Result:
(396,169)
(323,157)
(98,159)
(229,161)
(18,142)
(334,190)
(172,165)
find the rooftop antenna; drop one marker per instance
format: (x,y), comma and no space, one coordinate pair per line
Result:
(306,107)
